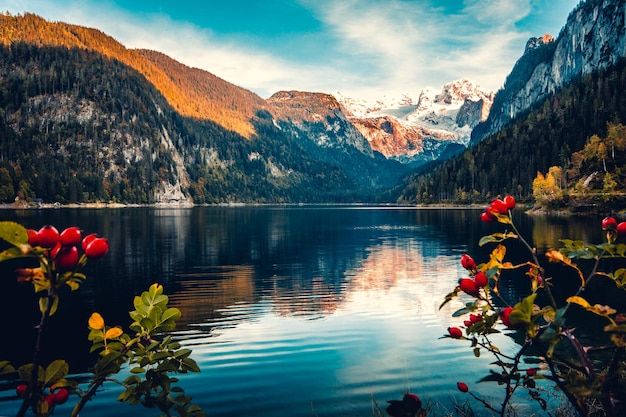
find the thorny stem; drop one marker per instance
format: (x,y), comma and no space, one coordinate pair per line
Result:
(589,278)
(533,253)
(97,383)
(509,389)
(51,295)
(580,407)
(611,375)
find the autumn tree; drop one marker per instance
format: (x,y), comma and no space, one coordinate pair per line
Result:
(548,189)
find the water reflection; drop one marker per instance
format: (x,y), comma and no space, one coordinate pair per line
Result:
(338,303)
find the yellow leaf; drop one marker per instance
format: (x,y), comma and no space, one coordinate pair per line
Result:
(96,321)
(579,300)
(556,256)
(113,333)
(496,258)
(619,339)
(603,310)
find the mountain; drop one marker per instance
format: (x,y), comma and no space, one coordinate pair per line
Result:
(211,99)
(85,120)
(421,129)
(592,39)
(560,111)
(320,126)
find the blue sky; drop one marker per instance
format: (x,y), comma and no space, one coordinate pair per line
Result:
(361,48)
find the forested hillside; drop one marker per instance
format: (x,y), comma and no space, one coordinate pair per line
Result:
(546,136)
(77,126)
(174,86)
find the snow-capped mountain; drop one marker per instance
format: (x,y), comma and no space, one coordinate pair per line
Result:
(431,120)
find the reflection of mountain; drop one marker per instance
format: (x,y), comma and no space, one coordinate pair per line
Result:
(401,277)
(301,261)
(202,294)
(396,274)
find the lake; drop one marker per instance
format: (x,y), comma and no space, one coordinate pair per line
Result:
(290,311)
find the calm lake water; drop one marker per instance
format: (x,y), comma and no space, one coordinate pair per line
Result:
(290,311)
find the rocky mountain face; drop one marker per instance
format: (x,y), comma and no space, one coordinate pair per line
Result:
(197,137)
(421,129)
(593,38)
(321,115)
(319,124)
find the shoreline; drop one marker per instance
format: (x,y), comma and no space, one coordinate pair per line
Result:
(528,209)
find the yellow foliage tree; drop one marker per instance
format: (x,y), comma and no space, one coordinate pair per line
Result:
(548,188)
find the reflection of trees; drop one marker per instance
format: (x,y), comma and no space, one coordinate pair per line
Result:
(308,262)
(548,230)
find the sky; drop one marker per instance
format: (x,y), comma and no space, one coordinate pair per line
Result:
(366,49)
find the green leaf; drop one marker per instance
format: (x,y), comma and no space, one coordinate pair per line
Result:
(135,316)
(522,311)
(13,233)
(160,355)
(496,238)
(147,324)
(6,367)
(171,314)
(154,296)
(450,297)
(55,371)
(43,304)
(25,372)
(13,253)
(495,377)
(108,364)
(182,353)
(190,365)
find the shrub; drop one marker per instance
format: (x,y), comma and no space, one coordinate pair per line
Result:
(591,376)
(149,353)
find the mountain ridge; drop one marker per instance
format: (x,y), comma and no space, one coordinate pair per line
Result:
(292,147)
(35,30)
(592,39)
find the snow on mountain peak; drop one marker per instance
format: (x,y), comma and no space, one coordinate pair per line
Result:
(451,111)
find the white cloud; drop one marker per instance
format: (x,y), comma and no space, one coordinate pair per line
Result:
(367,47)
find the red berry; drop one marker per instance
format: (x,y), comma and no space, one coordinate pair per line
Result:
(88,239)
(32,237)
(55,250)
(531,371)
(609,223)
(462,386)
(468,262)
(487,217)
(67,258)
(504,316)
(499,206)
(61,395)
(21,389)
(48,236)
(70,236)
(455,332)
(468,286)
(97,248)
(467,323)
(621,229)
(413,401)
(481,279)
(475,318)
(509,200)
(49,398)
